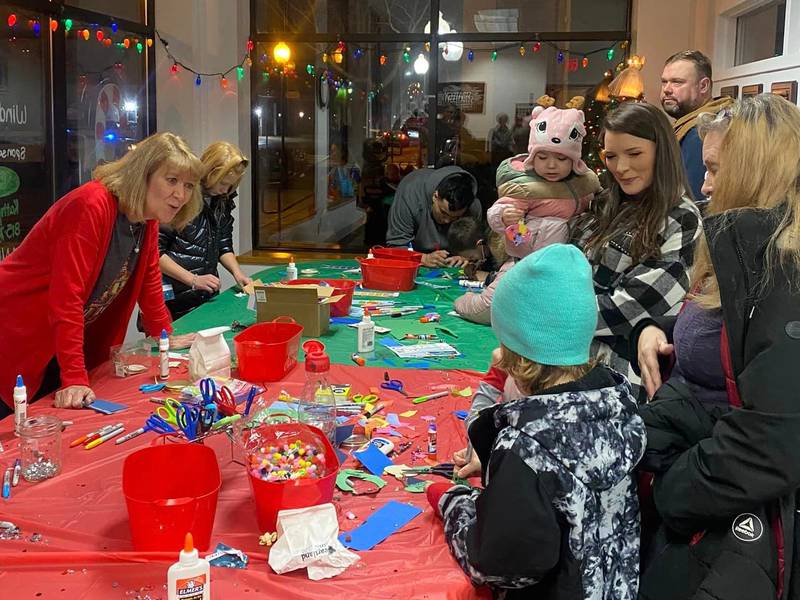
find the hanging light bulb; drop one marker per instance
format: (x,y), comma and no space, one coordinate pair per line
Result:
(37,28)
(139,47)
(174,68)
(585,62)
(537,46)
(99,35)
(127,43)
(610,54)
(325,57)
(85,34)
(560,57)
(421,65)
(521,50)
(67,25)
(382,59)
(240,72)
(494,55)
(282,53)
(114,27)
(12,20)
(224,82)
(107,42)
(358,53)
(470,55)
(53,25)
(406,56)
(198,81)
(149,42)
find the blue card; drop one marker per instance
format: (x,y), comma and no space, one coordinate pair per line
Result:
(342,433)
(105,407)
(379,525)
(373,459)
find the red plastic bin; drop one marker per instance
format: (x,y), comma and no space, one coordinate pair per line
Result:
(274,496)
(396,253)
(268,351)
(340,286)
(385,274)
(170,490)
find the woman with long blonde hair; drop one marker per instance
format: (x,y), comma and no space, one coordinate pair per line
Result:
(68,291)
(189,256)
(723,429)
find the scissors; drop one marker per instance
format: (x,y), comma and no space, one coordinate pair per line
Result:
(444,469)
(226,401)
(395,385)
(365,398)
(183,416)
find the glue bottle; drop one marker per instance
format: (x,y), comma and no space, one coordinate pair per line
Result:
(190,577)
(20,404)
(432,440)
(291,270)
(317,404)
(370,254)
(163,355)
(366,333)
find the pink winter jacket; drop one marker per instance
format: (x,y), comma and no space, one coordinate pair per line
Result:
(478,307)
(547,205)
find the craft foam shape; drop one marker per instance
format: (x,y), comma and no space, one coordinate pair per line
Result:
(373,459)
(391,517)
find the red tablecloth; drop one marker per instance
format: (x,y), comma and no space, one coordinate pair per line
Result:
(86,552)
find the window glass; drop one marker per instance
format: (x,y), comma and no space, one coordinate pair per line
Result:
(25,177)
(106,99)
(132,10)
(759,33)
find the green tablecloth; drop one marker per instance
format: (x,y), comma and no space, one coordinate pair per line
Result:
(475,342)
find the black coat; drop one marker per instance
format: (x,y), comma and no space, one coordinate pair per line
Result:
(197,249)
(725,483)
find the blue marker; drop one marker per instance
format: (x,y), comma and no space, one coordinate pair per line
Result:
(250,396)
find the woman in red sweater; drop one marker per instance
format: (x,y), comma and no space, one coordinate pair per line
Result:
(68,291)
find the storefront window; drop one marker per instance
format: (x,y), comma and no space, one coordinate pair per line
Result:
(349,116)
(24,157)
(106,99)
(132,10)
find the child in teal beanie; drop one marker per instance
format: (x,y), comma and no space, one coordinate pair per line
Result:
(558,517)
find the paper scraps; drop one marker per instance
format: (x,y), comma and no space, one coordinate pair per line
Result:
(225,556)
(408,413)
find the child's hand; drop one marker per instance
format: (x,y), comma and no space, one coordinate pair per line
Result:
(467,463)
(511,215)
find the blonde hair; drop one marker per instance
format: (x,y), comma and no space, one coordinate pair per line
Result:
(128,177)
(497,246)
(532,377)
(219,160)
(759,169)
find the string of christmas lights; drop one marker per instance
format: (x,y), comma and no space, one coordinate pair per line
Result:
(178,64)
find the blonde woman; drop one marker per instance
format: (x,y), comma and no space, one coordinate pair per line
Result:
(727,469)
(68,291)
(189,257)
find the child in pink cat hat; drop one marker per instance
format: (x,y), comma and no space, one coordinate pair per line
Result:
(539,192)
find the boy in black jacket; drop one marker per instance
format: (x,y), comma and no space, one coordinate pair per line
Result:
(559,515)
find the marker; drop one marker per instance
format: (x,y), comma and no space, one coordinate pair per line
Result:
(422,399)
(93,435)
(378,408)
(358,359)
(105,438)
(17,470)
(250,397)
(129,436)
(7,483)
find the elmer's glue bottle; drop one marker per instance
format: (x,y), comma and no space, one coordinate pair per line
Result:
(163,355)
(291,270)
(190,577)
(366,333)
(20,404)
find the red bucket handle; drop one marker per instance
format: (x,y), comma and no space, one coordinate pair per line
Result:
(379,247)
(284,319)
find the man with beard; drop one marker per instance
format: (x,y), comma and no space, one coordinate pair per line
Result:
(685,94)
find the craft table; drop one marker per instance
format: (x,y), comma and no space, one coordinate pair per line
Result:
(85,550)
(474,341)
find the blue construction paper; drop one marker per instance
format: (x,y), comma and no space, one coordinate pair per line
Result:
(344,320)
(389,341)
(389,362)
(393,419)
(373,459)
(391,517)
(418,365)
(105,407)
(460,414)
(433,274)
(340,455)
(342,433)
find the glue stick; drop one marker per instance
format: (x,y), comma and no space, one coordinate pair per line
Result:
(20,404)
(190,577)
(163,355)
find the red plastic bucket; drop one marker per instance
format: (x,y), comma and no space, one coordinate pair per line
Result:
(396,254)
(273,496)
(268,351)
(170,490)
(340,286)
(385,274)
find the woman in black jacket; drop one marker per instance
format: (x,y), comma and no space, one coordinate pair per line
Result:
(726,474)
(189,257)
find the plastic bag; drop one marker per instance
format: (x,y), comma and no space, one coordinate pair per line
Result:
(309,538)
(210,354)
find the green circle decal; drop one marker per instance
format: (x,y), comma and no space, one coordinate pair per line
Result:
(9,182)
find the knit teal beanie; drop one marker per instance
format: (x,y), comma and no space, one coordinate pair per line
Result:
(544,308)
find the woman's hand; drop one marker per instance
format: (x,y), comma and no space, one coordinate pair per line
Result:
(74,396)
(243,280)
(467,463)
(652,344)
(179,342)
(206,283)
(511,215)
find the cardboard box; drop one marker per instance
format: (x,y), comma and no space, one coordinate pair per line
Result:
(308,305)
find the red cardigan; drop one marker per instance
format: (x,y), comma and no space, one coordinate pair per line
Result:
(46,282)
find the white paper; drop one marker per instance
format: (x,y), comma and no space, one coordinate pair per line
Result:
(424,350)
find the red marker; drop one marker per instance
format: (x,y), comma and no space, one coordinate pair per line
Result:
(358,360)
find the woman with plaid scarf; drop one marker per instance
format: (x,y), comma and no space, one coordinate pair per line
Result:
(640,233)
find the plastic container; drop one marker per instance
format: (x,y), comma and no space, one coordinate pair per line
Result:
(340,286)
(386,274)
(396,253)
(40,447)
(317,403)
(171,489)
(268,351)
(273,496)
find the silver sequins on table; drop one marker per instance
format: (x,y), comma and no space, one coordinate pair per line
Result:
(41,470)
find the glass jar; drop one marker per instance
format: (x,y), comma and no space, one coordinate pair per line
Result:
(40,447)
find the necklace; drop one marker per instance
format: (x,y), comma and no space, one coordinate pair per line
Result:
(137,237)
